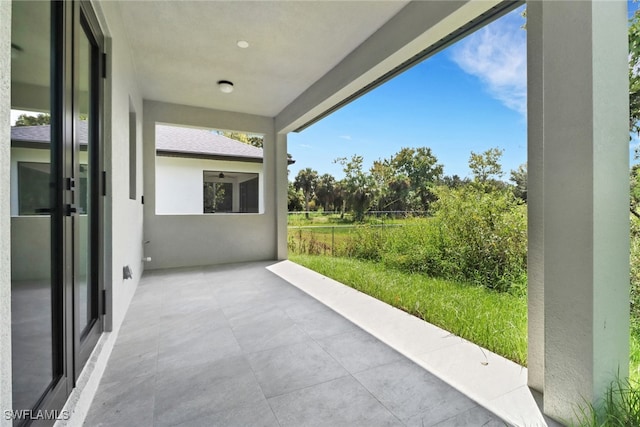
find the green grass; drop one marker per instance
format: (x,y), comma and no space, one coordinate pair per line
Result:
(634,359)
(496,321)
(619,407)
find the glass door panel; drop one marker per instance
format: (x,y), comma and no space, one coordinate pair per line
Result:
(86,167)
(35,288)
(84,147)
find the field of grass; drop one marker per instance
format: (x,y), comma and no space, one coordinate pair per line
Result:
(494,320)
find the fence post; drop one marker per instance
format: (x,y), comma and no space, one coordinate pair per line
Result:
(333,239)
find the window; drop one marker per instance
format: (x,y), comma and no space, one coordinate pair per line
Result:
(206,171)
(34,188)
(225,191)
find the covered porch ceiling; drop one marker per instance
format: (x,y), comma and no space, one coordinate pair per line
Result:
(304,58)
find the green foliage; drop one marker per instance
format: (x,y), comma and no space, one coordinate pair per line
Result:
(406,179)
(484,236)
(634,73)
(359,187)
(619,407)
(326,191)
(486,167)
(250,139)
(215,197)
(365,242)
(295,199)
(454,181)
(39,120)
(422,170)
(497,321)
(519,179)
(306,181)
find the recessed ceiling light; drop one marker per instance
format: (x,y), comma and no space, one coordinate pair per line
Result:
(243,44)
(225,86)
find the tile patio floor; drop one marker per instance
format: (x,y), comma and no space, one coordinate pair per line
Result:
(237,345)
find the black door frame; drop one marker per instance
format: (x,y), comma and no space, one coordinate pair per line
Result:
(85,340)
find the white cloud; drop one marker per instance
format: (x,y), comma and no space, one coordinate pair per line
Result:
(497,55)
(347,137)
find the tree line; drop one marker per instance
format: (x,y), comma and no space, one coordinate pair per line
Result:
(406,181)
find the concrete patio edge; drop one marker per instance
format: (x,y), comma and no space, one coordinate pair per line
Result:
(494,382)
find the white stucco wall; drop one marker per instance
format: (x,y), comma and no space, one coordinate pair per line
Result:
(189,240)
(123,216)
(179,182)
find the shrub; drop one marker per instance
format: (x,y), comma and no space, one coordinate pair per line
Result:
(365,242)
(484,236)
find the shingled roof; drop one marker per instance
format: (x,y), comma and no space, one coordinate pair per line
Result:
(173,139)
(170,140)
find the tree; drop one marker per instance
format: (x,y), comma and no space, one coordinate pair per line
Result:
(214,196)
(420,166)
(634,74)
(39,120)
(519,179)
(394,189)
(306,181)
(454,181)
(486,167)
(325,191)
(249,139)
(295,199)
(359,186)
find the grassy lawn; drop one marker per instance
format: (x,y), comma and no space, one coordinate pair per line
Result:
(496,321)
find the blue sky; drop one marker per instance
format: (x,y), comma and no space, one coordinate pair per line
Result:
(469,97)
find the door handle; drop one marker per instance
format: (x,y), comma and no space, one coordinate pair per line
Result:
(70,209)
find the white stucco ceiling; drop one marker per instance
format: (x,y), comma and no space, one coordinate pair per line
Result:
(182,48)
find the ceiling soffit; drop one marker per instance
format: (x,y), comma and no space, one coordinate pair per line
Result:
(182,48)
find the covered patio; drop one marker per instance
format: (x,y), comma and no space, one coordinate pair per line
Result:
(249,344)
(241,343)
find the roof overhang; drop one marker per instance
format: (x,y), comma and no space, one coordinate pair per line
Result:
(305,59)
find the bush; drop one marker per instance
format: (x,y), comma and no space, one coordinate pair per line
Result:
(365,242)
(475,236)
(484,236)
(417,247)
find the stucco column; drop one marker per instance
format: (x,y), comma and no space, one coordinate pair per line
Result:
(5,217)
(535,148)
(579,231)
(282,163)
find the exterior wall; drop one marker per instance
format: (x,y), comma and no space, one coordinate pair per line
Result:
(179,183)
(124,217)
(5,226)
(190,240)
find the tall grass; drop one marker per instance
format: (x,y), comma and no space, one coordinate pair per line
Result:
(619,407)
(494,320)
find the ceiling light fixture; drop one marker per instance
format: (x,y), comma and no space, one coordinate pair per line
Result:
(243,44)
(221,175)
(225,86)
